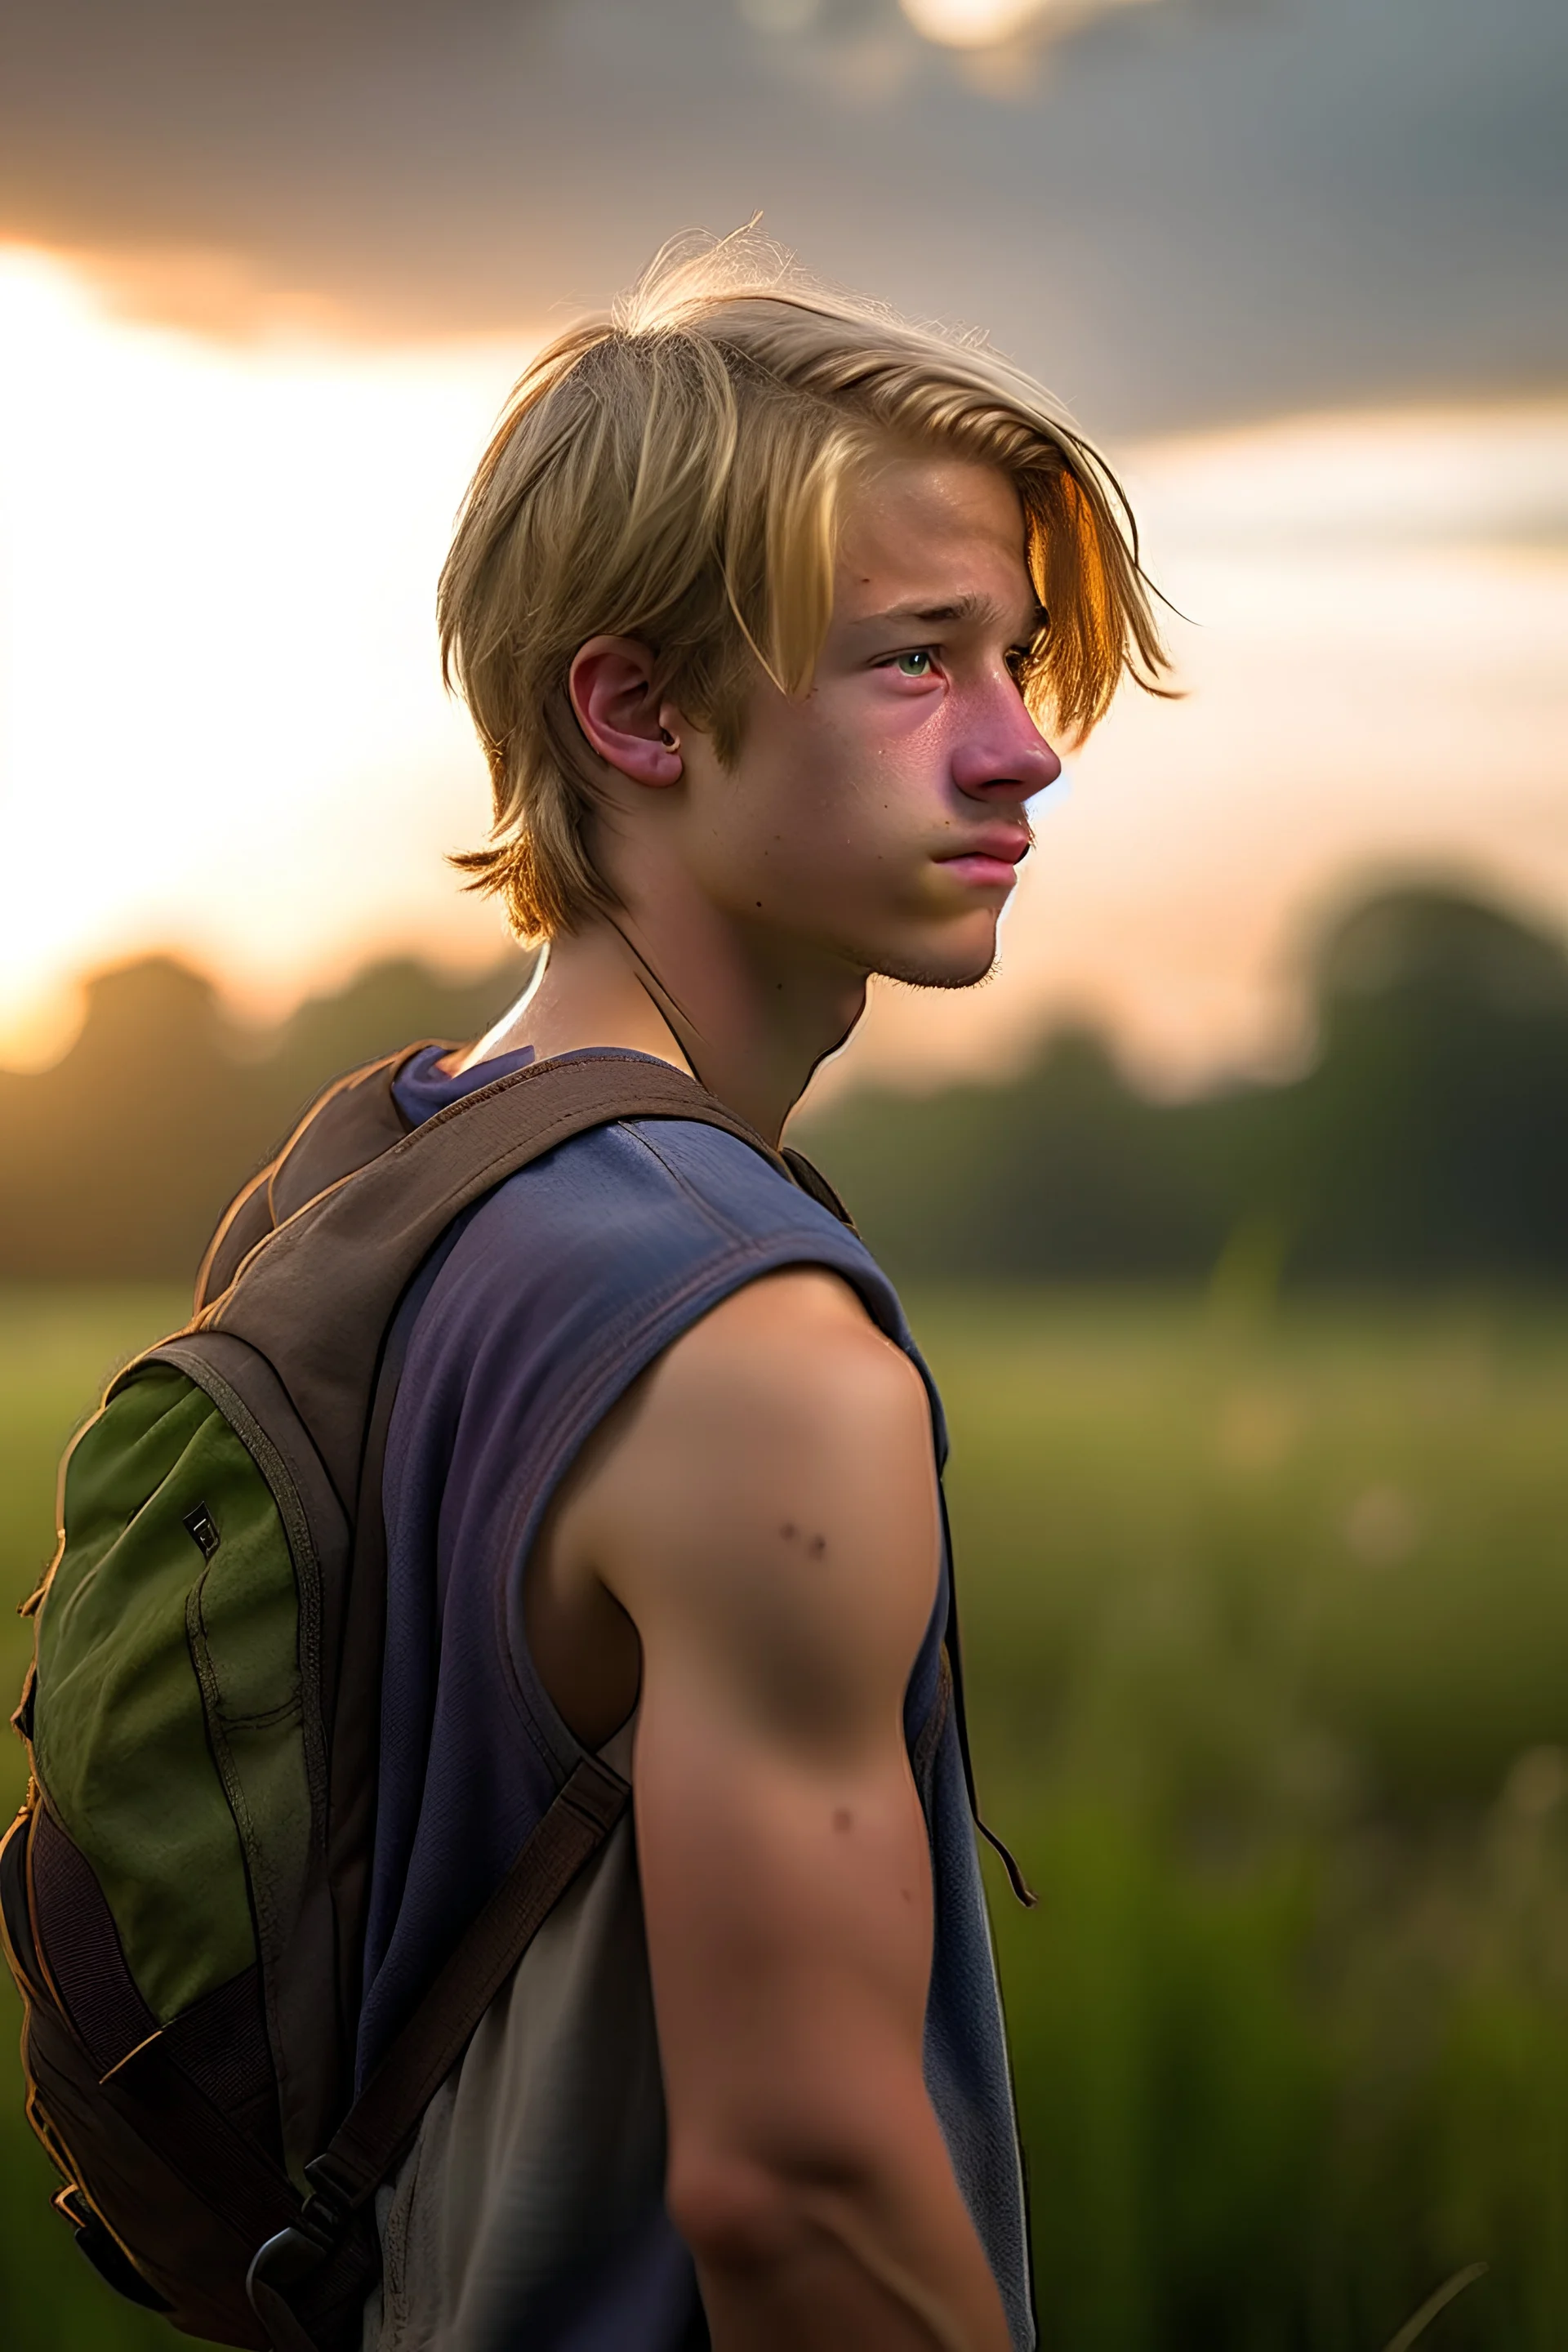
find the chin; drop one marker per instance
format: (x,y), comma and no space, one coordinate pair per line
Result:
(940,963)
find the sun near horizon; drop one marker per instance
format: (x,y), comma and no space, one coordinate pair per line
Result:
(223,732)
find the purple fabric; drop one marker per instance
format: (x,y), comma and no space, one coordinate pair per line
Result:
(422,1088)
(539,1309)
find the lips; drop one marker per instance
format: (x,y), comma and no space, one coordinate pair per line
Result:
(988,860)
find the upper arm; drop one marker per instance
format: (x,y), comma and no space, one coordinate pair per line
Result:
(767,1513)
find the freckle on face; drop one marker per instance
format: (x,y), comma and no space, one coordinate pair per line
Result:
(843,1819)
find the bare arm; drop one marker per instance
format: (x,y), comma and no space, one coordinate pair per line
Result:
(766,1514)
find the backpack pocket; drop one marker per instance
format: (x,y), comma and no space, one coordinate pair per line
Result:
(160,2134)
(252,1707)
(174,1823)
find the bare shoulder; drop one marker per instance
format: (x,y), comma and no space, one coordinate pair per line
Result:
(800,1344)
(772,1482)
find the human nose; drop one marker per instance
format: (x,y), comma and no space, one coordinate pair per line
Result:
(1007,757)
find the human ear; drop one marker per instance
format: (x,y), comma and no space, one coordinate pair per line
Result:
(611,685)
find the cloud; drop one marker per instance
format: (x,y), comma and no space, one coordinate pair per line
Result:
(222,728)
(1195,210)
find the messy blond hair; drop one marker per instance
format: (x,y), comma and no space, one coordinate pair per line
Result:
(674,472)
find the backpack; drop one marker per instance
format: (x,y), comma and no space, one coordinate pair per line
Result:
(183,1891)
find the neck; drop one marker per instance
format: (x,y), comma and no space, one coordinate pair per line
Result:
(748,1012)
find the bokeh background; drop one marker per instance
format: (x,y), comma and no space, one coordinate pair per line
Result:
(1233,1212)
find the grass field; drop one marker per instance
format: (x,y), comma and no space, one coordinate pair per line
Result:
(1268,1651)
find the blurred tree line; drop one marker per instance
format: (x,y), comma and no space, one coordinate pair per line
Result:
(1427,1139)
(118,1161)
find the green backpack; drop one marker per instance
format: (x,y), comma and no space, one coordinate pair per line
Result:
(183,1891)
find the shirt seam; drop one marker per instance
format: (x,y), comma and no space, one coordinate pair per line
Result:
(708,1210)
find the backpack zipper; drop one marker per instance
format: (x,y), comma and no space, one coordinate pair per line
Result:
(301,1551)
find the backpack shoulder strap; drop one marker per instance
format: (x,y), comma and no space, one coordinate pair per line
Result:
(350,1123)
(386,2113)
(308,2282)
(316,1295)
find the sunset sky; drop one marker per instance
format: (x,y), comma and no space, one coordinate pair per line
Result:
(250,359)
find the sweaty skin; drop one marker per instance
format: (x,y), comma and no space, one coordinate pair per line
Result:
(748,1550)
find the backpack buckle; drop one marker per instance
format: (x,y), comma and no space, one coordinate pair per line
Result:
(323,2217)
(288,2292)
(279,2280)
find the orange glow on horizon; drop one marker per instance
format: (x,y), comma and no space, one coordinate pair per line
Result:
(222,729)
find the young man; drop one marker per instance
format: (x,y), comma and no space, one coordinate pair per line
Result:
(759,601)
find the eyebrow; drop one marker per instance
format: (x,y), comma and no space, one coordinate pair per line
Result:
(961,609)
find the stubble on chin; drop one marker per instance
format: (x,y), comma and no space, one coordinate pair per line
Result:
(915,971)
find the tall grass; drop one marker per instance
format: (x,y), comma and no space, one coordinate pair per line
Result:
(1266,1626)
(1268,1644)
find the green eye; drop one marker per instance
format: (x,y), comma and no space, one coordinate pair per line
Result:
(915,664)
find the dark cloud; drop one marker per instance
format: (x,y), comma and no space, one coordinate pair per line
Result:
(1198,209)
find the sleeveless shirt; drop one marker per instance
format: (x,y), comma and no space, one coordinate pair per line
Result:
(528,2214)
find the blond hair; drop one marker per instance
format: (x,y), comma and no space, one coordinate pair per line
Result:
(674,472)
